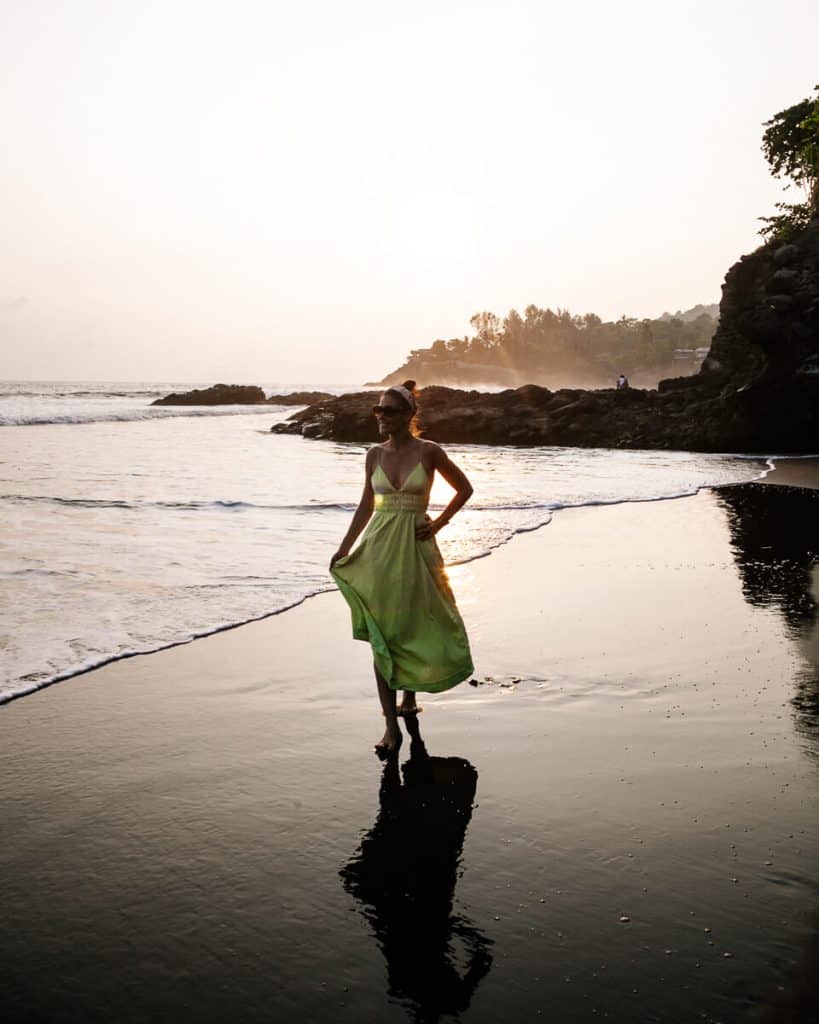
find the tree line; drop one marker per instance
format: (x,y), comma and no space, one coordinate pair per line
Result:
(545,343)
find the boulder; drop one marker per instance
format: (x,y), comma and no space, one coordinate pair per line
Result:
(219,394)
(784,279)
(786,254)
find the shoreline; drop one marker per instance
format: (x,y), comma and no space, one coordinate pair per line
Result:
(793,471)
(198,833)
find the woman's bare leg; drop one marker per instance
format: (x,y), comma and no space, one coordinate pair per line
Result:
(408,705)
(392,736)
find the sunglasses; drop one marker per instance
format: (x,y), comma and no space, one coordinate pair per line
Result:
(387,410)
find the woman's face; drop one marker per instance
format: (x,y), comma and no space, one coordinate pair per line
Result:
(391,421)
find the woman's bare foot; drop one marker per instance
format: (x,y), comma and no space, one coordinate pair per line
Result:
(390,742)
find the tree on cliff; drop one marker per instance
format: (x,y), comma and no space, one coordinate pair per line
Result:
(487,329)
(791,147)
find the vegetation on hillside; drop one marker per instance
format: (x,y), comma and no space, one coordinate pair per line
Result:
(791,147)
(554,347)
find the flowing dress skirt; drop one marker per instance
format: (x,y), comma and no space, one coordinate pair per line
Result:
(401,601)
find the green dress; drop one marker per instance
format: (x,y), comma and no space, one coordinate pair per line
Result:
(399,594)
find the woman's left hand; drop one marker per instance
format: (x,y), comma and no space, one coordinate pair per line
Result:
(426,530)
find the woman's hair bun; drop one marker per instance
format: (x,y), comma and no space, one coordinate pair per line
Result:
(409,385)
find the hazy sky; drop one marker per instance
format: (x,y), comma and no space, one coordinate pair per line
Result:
(261,191)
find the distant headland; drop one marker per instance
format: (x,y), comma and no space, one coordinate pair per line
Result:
(556,349)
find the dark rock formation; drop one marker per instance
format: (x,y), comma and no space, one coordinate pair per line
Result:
(300,398)
(525,416)
(241,394)
(757,391)
(219,394)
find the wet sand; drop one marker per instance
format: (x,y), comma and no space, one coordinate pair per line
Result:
(619,820)
(795,472)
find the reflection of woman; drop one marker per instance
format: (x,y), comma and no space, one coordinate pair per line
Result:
(404,874)
(395,581)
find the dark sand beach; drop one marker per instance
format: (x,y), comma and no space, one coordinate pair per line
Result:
(618,821)
(795,472)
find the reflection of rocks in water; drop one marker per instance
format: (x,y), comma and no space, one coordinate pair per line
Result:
(775,541)
(404,875)
(775,538)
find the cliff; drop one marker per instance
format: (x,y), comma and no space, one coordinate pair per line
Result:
(757,391)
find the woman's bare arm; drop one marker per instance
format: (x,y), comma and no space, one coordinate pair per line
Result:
(457,479)
(362,514)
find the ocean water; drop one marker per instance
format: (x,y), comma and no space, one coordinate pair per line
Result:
(126,528)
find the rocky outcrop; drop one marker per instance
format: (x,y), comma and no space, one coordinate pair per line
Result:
(769,315)
(300,398)
(529,415)
(241,394)
(757,391)
(219,394)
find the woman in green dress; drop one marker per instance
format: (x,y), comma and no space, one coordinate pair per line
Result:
(394,581)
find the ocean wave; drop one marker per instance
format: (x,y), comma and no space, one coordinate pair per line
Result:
(136,505)
(28,419)
(340,506)
(149,393)
(52,395)
(27,685)
(238,506)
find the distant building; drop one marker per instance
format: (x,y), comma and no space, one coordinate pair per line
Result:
(688,358)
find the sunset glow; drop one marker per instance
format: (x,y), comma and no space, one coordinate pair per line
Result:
(277,192)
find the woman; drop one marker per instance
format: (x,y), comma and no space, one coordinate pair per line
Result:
(395,582)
